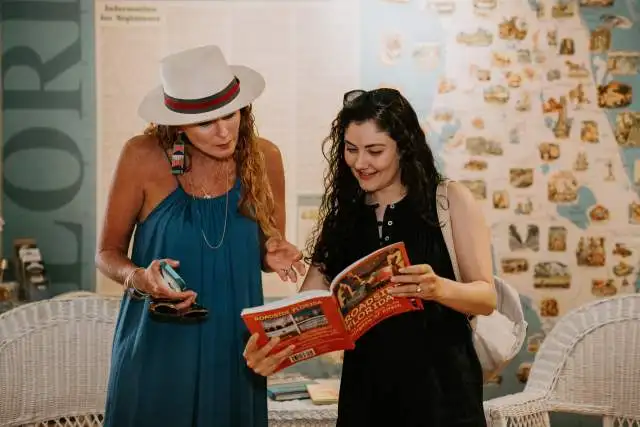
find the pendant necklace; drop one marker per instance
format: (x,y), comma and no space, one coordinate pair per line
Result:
(226,211)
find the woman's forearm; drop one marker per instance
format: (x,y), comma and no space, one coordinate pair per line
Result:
(314,280)
(262,241)
(263,264)
(477,298)
(115,265)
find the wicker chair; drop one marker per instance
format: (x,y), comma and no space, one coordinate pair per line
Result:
(588,364)
(54,361)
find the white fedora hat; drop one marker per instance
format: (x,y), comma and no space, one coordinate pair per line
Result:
(197,86)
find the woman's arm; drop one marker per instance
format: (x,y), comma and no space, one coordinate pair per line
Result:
(314,280)
(472,240)
(277,254)
(138,162)
(275,174)
(124,202)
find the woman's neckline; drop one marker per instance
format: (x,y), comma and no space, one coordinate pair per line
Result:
(194,197)
(370,203)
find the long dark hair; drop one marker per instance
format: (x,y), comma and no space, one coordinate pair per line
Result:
(393,114)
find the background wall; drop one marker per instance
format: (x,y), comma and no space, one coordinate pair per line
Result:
(529,102)
(299,47)
(49,144)
(1,126)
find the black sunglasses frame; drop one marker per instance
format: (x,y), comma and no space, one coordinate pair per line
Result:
(351,96)
(165,310)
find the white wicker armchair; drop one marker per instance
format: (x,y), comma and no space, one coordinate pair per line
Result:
(54,364)
(588,364)
(54,361)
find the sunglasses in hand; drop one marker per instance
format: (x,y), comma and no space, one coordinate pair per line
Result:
(166,310)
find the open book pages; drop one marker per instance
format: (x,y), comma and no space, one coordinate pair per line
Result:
(375,268)
(360,290)
(323,321)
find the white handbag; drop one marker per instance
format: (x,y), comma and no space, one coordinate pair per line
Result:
(498,337)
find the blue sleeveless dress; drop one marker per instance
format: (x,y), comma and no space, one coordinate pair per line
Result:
(191,375)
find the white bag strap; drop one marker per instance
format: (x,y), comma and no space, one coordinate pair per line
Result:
(508,298)
(444,218)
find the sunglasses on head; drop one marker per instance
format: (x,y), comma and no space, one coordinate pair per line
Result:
(351,96)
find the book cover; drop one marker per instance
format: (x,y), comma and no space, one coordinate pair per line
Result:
(323,321)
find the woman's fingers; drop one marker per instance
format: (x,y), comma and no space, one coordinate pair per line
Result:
(186,303)
(172,262)
(300,267)
(283,354)
(271,363)
(403,291)
(266,349)
(417,269)
(161,289)
(251,346)
(155,278)
(256,355)
(163,292)
(259,360)
(283,275)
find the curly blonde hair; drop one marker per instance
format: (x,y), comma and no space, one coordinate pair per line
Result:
(257,200)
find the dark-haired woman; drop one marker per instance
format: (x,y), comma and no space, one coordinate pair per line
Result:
(418,368)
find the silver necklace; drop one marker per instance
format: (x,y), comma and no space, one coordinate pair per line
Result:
(226,212)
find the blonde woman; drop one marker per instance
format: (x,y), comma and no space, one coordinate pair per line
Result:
(196,190)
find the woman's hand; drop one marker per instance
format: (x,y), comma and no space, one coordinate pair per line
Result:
(284,258)
(259,360)
(149,281)
(418,281)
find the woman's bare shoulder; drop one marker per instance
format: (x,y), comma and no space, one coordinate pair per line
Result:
(268,148)
(141,151)
(142,145)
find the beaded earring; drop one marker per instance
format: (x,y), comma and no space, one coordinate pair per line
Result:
(177,157)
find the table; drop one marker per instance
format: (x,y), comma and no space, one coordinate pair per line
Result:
(301,413)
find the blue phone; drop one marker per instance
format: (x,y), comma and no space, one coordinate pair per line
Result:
(172,278)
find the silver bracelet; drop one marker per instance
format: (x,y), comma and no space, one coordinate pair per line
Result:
(129,285)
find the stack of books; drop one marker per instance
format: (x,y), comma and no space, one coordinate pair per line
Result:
(320,391)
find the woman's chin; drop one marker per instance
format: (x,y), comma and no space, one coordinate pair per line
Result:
(221,152)
(367,186)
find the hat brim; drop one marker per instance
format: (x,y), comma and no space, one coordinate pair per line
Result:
(153,110)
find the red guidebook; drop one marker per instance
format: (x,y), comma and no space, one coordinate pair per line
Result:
(323,321)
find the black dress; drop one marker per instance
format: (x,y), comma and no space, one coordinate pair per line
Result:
(415,369)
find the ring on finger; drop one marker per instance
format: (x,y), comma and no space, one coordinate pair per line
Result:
(418,289)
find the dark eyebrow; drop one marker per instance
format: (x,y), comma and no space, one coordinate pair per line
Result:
(378,144)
